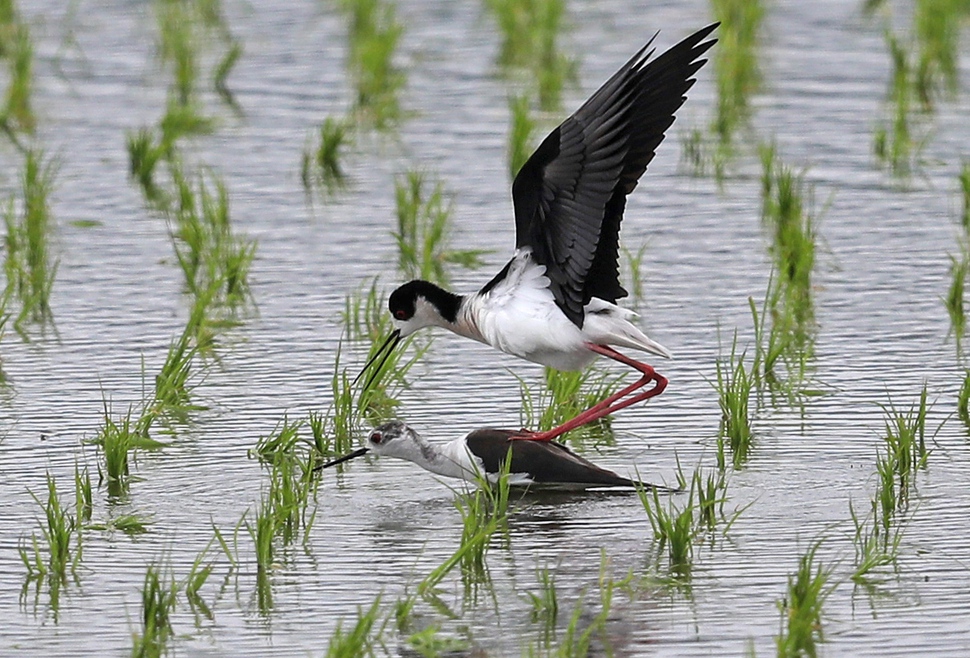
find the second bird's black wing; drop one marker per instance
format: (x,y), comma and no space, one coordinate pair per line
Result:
(570,195)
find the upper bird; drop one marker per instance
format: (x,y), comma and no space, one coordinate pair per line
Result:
(554,303)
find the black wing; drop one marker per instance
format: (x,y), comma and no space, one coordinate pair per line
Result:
(545,462)
(570,195)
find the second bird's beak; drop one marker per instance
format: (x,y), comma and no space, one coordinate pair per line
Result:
(347,457)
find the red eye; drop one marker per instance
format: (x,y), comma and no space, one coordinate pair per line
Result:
(400,315)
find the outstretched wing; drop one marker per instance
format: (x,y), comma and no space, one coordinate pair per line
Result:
(570,195)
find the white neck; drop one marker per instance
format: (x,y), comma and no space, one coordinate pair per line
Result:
(448,459)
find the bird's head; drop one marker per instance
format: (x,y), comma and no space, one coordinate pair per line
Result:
(394,439)
(418,304)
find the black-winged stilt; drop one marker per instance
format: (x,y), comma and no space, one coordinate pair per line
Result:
(554,303)
(482,454)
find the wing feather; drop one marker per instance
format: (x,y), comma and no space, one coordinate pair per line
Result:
(569,197)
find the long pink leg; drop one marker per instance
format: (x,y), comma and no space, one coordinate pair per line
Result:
(611,404)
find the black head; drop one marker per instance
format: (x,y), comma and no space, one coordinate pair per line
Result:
(403,302)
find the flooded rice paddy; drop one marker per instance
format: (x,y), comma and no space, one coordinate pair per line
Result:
(382,526)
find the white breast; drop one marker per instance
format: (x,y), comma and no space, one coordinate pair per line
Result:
(519,316)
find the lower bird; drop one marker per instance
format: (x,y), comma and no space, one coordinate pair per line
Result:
(554,303)
(483,453)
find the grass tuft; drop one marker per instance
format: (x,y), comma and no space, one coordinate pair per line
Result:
(734,386)
(801,609)
(322,167)
(564,396)
(158,596)
(422,227)
(28,265)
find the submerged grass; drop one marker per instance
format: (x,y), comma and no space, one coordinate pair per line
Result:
(530,45)
(484,511)
(959,269)
(801,608)
(677,529)
(158,597)
(963,400)
(734,386)
(211,256)
(28,265)
(521,132)
(321,168)
(374,35)
(60,532)
(738,77)
(422,228)
(361,640)
(17,115)
(292,464)
(565,395)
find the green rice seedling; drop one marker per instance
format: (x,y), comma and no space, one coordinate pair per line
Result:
(283,441)
(374,34)
(711,497)
(158,596)
(322,159)
(959,269)
(174,385)
(129,524)
(734,385)
(361,640)
(29,267)
(292,485)
(936,26)
(484,511)
(321,442)
(365,316)
(429,643)
(83,497)
(59,530)
(181,120)
(422,227)
(963,400)
(224,68)
(565,395)
(875,545)
(521,132)
(16,114)
(374,398)
(178,45)
(964,179)
(793,239)
(263,534)
(801,608)
(143,156)
(195,581)
(895,144)
(545,604)
(889,497)
(674,529)
(736,68)
(905,440)
(213,259)
(634,262)
(116,440)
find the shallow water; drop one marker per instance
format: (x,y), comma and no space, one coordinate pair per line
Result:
(383,525)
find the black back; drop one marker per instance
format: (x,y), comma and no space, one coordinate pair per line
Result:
(544,461)
(570,195)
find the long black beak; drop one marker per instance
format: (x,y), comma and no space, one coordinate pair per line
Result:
(383,353)
(341,460)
